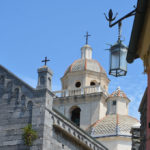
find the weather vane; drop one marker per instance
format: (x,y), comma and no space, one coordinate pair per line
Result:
(45,60)
(87,36)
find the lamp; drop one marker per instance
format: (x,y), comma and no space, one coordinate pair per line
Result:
(118,53)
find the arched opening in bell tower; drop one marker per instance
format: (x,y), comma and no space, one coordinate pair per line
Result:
(92,83)
(75,115)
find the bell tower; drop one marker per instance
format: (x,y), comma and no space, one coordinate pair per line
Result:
(84,90)
(44,77)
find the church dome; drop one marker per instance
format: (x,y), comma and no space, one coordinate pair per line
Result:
(85,64)
(112,125)
(85,72)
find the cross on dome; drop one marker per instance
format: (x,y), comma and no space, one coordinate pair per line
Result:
(87,35)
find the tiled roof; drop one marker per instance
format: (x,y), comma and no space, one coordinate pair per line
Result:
(112,125)
(85,64)
(118,93)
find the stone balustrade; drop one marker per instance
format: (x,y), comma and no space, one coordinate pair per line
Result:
(66,125)
(79,91)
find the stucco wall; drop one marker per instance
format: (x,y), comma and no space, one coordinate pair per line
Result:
(116,143)
(85,77)
(92,107)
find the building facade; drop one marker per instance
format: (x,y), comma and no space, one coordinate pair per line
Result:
(81,116)
(21,105)
(84,99)
(139,47)
(143,119)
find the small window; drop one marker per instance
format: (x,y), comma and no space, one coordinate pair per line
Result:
(114,102)
(30,106)
(92,83)
(16,93)
(62,146)
(78,84)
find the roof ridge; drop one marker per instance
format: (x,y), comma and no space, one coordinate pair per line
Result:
(132,117)
(85,66)
(15,76)
(117,122)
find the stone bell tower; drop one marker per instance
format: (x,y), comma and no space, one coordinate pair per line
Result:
(44,77)
(84,90)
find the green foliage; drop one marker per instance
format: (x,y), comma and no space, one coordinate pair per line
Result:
(29,135)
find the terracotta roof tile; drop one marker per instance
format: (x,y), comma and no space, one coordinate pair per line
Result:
(112,125)
(85,64)
(118,93)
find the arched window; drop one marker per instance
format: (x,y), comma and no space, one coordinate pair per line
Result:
(2,80)
(29,106)
(92,83)
(75,115)
(16,95)
(9,86)
(42,80)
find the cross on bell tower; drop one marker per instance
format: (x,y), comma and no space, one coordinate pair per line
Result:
(44,76)
(87,36)
(45,60)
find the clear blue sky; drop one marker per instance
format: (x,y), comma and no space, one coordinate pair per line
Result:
(33,29)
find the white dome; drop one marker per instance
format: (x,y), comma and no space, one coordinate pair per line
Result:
(85,64)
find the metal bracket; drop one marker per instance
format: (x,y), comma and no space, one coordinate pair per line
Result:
(110,17)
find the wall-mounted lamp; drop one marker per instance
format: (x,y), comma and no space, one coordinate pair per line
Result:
(118,51)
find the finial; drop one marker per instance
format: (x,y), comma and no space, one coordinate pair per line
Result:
(118,88)
(110,17)
(45,60)
(87,35)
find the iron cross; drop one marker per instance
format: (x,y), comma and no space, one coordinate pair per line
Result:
(87,35)
(45,60)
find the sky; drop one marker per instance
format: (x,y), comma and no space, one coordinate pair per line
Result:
(33,29)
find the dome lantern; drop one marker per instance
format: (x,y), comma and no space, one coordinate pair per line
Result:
(86,50)
(117,103)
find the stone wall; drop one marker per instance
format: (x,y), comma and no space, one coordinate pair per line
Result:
(21,105)
(116,142)
(71,136)
(15,110)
